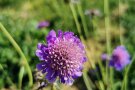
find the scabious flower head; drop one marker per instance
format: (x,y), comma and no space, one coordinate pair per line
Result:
(43,24)
(120,58)
(62,57)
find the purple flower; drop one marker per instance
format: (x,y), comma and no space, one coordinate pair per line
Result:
(120,58)
(62,57)
(43,24)
(104,57)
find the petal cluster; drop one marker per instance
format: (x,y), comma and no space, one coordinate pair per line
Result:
(120,58)
(62,57)
(43,24)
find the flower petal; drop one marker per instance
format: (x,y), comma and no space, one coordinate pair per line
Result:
(39,53)
(60,34)
(51,76)
(41,66)
(51,34)
(69,81)
(40,46)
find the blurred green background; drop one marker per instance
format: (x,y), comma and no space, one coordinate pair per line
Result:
(21,17)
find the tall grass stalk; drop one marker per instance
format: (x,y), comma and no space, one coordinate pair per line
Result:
(125,80)
(83,19)
(121,37)
(86,80)
(102,70)
(94,25)
(18,49)
(21,73)
(108,41)
(76,20)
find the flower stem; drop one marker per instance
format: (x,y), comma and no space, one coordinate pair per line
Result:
(18,49)
(108,40)
(21,73)
(102,70)
(125,80)
(121,37)
(94,25)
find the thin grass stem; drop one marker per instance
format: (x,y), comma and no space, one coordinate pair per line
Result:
(108,41)
(83,19)
(121,36)
(125,80)
(21,73)
(76,20)
(18,49)
(86,80)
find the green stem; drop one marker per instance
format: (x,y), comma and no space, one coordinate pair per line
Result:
(101,85)
(83,19)
(86,80)
(21,73)
(102,70)
(125,80)
(107,25)
(121,37)
(76,20)
(18,49)
(94,26)
(108,39)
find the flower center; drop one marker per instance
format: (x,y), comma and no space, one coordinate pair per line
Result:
(65,57)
